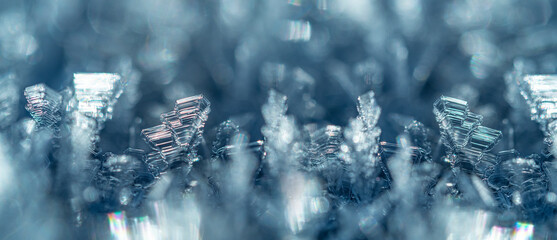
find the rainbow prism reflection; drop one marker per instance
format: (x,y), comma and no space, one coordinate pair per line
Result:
(118,226)
(523,231)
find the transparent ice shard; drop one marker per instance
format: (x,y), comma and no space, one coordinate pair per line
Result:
(160,138)
(96,94)
(455,121)
(156,163)
(462,133)
(480,142)
(120,180)
(484,138)
(9,98)
(187,120)
(387,150)
(540,92)
(225,131)
(181,131)
(526,177)
(418,135)
(325,144)
(254,148)
(44,104)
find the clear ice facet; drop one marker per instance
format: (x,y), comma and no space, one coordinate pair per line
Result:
(540,92)
(324,147)
(160,138)
(180,132)
(455,120)
(225,132)
(468,141)
(96,94)
(44,104)
(189,117)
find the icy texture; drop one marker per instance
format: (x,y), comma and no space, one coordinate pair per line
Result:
(540,92)
(362,137)
(160,138)
(96,94)
(180,132)
(281,133)
(387,150)
(526,176)
(468,142)
(324,148)
(225,132)
(363,133)
(44,104)
(419,136)
(187,120)
(455,121)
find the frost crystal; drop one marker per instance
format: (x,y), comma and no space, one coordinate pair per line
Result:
(363,134)
(225,132)
(281,133)
(369,110)
(418,135)
(44,104)
(325,144)
(96,94)
(540,92)
(467,141)
(362,137)
(180,132)
(161,140)
(526,177)
(387,150)
(187,120)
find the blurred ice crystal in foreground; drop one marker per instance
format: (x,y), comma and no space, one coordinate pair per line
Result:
(8,99)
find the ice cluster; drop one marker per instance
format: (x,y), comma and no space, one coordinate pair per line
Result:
(287,119)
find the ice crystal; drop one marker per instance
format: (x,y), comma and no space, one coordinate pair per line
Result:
(96,94)
(180,132)
(44,104)
(461,130)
